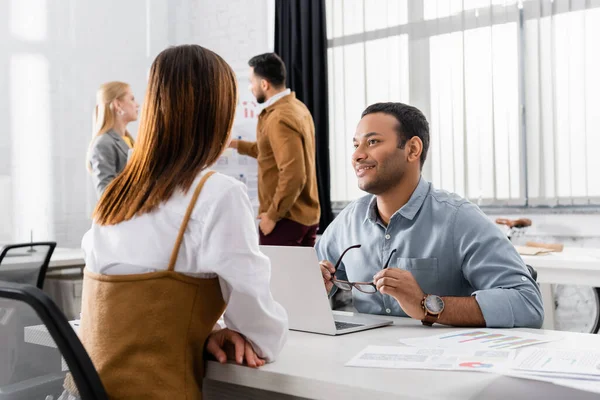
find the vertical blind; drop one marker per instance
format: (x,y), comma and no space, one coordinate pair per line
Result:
(511,90)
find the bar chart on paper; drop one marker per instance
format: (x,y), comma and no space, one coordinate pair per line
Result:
(489,339)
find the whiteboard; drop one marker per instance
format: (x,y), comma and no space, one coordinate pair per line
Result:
(243,168)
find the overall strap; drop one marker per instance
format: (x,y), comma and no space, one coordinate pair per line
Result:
(186,219)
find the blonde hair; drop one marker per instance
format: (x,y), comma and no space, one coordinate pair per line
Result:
(104,113)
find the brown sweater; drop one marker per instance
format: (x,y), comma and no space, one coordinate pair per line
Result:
(285,152)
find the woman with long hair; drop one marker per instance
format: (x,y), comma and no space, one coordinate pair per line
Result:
(173,245)
(107,155)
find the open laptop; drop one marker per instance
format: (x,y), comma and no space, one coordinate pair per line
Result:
(297,284)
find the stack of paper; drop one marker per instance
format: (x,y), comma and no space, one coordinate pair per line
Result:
(559,363)
(489,350)
(532,251)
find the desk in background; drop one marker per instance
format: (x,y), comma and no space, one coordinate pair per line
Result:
(572,266)
(63,281)
(62,258)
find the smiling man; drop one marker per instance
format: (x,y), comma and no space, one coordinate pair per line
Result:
(449,264)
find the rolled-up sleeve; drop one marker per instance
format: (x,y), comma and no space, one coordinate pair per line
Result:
(504,289)
(246,148)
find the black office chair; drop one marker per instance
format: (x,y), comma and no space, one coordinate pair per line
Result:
(532,271)
(28,262)
(38,347)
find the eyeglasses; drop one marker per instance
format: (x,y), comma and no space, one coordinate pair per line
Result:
(364,287)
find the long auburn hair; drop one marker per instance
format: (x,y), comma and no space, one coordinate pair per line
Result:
(104,112)
(185,125)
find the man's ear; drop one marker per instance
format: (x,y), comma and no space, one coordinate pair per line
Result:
(414,148)
(265,85)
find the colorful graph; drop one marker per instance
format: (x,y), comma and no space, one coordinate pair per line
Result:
(482,339)
(475,364)
(515,343)
(465,334)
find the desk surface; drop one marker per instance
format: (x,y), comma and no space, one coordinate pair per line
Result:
(61,258)
(574,266)
(312,366)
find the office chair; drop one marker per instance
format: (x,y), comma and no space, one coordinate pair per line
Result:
(532,271)
(28,262)
(34,358)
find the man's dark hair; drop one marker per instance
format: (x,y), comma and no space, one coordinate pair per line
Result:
(411,123)
(270,67)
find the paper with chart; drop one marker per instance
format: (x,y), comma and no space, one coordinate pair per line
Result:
(559,363)
(433,358)
(478,339)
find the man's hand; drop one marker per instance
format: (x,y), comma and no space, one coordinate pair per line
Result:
(327,270)
(402,286)
(266,224)
(226,344)
(233,143)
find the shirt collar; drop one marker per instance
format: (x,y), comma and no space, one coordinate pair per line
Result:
(371,215)
(409,210)
(276,97)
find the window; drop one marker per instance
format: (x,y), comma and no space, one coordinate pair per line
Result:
(510,89)
(563,103)
(361,72)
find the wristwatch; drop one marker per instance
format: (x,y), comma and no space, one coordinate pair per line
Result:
(433,306)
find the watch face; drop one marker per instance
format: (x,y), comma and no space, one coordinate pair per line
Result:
(434,304)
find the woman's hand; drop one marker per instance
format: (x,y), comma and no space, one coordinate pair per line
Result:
(225,344)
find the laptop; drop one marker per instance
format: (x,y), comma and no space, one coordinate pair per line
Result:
(297,284)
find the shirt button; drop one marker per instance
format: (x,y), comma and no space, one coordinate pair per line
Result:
(387,310)
(523,278)
(387,236)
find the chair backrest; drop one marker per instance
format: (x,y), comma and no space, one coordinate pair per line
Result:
(39,350)
(532,271)
(26,262)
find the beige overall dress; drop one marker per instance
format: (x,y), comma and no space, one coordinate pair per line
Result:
(145,333)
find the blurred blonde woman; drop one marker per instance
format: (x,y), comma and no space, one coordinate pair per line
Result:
(115,108)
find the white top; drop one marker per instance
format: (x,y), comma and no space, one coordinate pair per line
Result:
(276,97)
(221,240)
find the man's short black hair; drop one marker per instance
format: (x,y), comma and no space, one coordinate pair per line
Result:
(270,67)
(411,123)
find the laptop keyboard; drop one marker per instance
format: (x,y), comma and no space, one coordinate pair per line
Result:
(345,325)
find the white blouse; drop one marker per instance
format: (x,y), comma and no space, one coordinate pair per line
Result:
(221,240)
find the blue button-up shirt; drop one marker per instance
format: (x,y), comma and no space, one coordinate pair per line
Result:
(450,247)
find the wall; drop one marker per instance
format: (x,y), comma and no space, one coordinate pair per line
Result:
(54,55)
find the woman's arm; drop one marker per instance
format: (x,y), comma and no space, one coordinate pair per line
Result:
(103,163)
(229,248)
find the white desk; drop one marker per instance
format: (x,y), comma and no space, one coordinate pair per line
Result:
(311,366)
(67,258)
(63,277)
(573,266)
(62,258)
